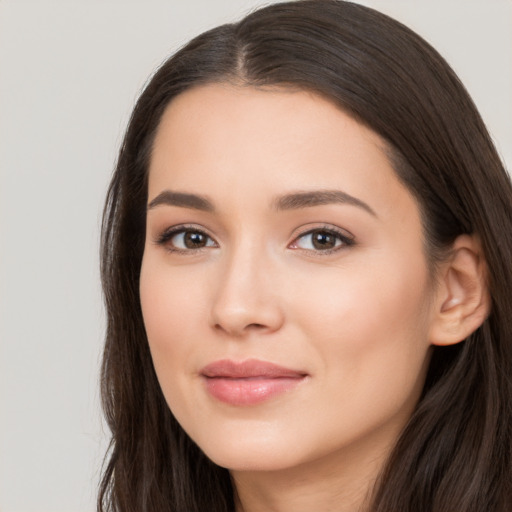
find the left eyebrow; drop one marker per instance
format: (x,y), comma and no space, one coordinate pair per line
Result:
(308,199)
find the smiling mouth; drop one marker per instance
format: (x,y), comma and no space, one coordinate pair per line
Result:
(249,382)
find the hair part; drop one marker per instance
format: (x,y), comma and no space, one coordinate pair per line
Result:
(455,453)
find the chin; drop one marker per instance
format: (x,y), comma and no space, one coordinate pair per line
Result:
(250,453)
(255,460)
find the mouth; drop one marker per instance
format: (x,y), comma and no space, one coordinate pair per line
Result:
(249,382)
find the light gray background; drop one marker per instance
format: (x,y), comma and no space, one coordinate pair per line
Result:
(69,74)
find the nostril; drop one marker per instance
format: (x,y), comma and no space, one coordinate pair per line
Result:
(237,319)
(253,326)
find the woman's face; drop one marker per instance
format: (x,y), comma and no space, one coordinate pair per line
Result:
(284,286)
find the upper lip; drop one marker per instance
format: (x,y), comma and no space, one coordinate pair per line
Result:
(251,368)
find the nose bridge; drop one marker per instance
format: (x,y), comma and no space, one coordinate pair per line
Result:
(245,297)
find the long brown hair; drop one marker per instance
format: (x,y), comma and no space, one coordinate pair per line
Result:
(455,453)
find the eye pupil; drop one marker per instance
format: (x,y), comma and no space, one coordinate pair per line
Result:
(194,240)
(323,240)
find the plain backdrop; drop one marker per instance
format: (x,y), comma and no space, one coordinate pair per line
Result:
(70,72)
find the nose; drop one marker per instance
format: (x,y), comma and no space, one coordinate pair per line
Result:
(246,298)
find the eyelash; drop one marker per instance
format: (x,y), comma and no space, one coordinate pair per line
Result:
(169,234)
(345,239)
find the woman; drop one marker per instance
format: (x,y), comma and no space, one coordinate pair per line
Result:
(306,264)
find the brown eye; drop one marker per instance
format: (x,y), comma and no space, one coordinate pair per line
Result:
(194,240)
(185,240)
(322,240)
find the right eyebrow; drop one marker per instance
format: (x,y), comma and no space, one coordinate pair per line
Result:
(183,200)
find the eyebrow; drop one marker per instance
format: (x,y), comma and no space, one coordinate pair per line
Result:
(293,201)
(318,198)
(183,200)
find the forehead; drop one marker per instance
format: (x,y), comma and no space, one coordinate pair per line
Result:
(226,140)
(270,114)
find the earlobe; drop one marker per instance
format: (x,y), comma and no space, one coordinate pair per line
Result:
(462,301)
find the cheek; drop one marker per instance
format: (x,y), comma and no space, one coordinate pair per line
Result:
(357,302)
(174,311)
(371,336)
(372,324)
(172,297)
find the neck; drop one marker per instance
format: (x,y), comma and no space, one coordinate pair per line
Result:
(329,484)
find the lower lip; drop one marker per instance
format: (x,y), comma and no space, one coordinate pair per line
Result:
(249,391)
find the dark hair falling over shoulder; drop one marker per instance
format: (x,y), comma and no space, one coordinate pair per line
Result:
(455,453)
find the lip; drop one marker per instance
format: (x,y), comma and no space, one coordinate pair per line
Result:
(249,382)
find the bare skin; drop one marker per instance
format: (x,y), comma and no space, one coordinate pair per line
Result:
(277,231)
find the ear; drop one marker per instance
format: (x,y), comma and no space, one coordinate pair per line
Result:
(462,301)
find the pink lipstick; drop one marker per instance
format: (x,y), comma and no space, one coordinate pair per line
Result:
(248,382)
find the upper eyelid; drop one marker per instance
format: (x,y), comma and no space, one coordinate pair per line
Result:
(171,231)
(343,233)
(346,238)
